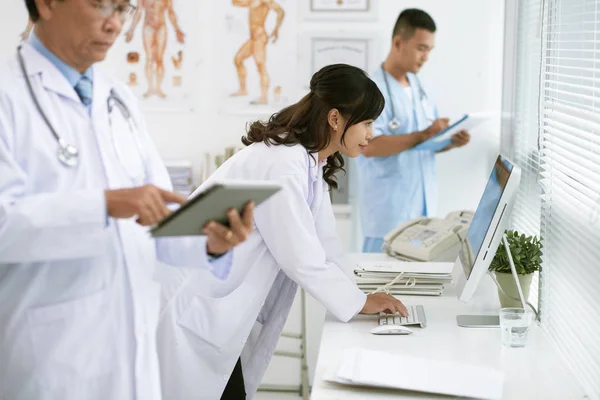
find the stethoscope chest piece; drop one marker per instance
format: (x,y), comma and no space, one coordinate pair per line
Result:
(394,124)
(68,155)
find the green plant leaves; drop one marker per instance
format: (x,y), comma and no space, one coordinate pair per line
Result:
(526,252)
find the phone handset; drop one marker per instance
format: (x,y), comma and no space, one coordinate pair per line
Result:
(400,229)
(429,239)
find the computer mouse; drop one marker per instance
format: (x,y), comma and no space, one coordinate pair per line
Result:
(391,330)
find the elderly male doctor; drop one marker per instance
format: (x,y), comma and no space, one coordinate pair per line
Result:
(397,172)
(78,185)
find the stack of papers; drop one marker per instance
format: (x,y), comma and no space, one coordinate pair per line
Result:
(180,173)
(361,367)
(418,278)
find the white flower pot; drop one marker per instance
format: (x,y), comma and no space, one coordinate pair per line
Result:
(507,283)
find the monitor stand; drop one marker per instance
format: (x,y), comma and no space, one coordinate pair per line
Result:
(492,320)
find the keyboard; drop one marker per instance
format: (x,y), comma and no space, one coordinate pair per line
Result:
(416,316)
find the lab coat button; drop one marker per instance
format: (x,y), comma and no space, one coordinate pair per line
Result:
(225,378)
(244,340)
(262,303)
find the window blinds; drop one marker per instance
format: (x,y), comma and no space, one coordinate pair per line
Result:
(569,170)
(522,147)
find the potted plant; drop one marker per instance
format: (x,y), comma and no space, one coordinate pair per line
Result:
(527,255)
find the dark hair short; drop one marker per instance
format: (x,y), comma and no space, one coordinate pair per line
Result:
(410,20)
(34,14)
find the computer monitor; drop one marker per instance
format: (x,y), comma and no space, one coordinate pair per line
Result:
(487,227)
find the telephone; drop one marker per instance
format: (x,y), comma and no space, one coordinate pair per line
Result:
(429,239)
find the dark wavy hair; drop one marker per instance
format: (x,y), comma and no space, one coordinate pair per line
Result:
(343,87)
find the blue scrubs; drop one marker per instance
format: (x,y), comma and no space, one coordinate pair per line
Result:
(398,188)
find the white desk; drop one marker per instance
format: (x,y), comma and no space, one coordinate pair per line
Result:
(533,372)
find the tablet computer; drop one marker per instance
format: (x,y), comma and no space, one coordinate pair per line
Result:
(212,204)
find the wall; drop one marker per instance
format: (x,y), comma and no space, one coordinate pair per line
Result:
(465,71)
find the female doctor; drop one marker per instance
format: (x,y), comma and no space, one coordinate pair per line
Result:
(293,243)
(78,302)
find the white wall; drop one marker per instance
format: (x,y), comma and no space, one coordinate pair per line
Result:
(465,71)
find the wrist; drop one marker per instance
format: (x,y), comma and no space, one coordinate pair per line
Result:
(213,254)
(421,136)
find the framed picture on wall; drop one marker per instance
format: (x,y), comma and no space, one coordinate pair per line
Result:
(349,10)
(253,79)
(318,49)
(162,72)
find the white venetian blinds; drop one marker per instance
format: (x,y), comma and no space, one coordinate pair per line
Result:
(570,179)
(555,138)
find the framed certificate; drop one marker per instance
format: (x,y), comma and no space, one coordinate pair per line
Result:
(319,49)
(326,51)
(340,9)
(339,5)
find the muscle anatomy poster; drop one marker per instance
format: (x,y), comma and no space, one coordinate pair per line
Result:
(257,55)
(154,60)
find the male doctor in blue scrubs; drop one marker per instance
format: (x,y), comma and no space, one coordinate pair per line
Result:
(397,170)
(79,303)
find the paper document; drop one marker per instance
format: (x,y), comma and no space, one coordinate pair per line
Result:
(406,266)
(374,270)
(467,122)
(363,367)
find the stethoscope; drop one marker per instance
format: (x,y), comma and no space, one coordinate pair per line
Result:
(68,154)
(394,124)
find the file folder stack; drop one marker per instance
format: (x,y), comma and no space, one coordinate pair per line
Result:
(418,278)
(180,173)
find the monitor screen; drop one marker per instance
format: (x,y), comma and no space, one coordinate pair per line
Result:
(485,213)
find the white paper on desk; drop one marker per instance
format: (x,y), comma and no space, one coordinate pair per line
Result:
(361,282)
(396,266)
(413,276)
(379,369)
(381,280)
(401,292)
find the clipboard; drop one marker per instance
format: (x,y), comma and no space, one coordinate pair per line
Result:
(467,122)
(212,204)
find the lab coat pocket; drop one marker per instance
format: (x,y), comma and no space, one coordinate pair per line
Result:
(73,341)
(218,320)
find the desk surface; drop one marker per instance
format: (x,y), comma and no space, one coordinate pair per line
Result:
(533,372)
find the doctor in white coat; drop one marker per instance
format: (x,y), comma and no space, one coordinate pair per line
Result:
(79,181)
(207,324)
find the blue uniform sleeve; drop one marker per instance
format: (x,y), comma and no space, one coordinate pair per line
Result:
(381,124)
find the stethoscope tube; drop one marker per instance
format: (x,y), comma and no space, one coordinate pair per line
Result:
(67,154)
(394,123)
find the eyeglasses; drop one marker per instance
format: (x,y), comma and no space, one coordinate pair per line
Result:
(123,10)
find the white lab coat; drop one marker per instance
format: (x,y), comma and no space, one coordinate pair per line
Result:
(78,303)
(206,324)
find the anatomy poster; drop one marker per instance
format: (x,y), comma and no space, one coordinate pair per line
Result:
(258,55)
(154,59)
